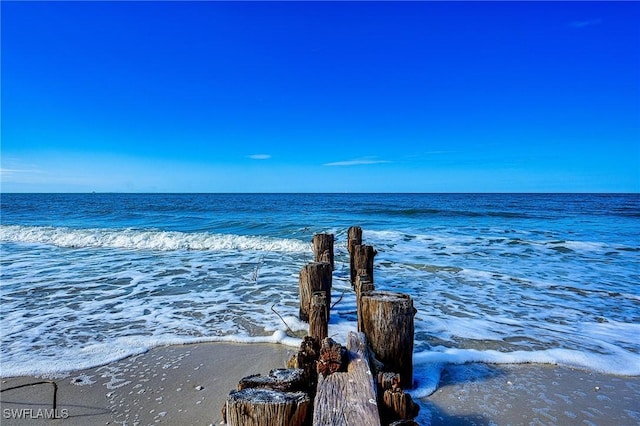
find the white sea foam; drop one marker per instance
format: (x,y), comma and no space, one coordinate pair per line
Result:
(144,239)
(489,295)
(67,361)
(428,365)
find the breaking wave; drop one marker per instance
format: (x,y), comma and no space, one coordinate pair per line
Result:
(146,239)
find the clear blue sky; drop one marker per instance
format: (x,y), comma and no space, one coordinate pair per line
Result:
(320,96)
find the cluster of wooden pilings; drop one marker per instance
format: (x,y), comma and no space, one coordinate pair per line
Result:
(326,383)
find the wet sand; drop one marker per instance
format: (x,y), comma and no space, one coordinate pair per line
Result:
(187,385)
(531,394)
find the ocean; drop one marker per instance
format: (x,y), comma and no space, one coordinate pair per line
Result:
(87,279)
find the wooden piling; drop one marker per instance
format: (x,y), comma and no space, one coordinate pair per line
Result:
(323,248)
(387,321)
(307,359)
(315,276)
(363,285)
(318,322)
(394,403)
(398,405)
(354,238)
(280,379)
(362,262)
(266,407)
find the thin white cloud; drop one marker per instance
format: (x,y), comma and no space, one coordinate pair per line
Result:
(586,23)
(10,172)
(259,156)
(356,162)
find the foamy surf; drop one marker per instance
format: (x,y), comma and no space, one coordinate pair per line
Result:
(145,239)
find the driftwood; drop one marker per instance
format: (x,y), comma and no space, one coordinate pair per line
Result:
(332,357)
(318,321)
(265,407)
(362,262)
(387,321)
(315,276)
(281,379)
(348,398)
(354,238)
(323,248)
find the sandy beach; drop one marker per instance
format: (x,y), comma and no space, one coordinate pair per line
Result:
(531,394)
(184,384)
(188,384)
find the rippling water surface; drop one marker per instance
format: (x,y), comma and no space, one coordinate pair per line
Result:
(504,278)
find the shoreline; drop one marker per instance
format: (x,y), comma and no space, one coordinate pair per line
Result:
(188,384)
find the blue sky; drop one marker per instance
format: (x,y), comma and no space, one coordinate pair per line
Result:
(320,96)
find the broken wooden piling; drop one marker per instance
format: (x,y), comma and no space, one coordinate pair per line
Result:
(266,407)
(387,322)
(315,276)
(363,285)
(323,248)
(318,321)
(362,262)
(354,238)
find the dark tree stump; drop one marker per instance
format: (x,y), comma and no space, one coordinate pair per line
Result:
(314,277)
(332,357)
(264,407)
(323,248)
(318,321)
(387,321)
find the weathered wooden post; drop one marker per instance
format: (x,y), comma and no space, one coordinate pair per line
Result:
(315,276)
(387,322)
(307,359)
(348,398)
(332,357)
(394,403)
(363,285)
(280,379)
(318,321)
(266,407)
(323,248)
(354,238)
(362,262)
